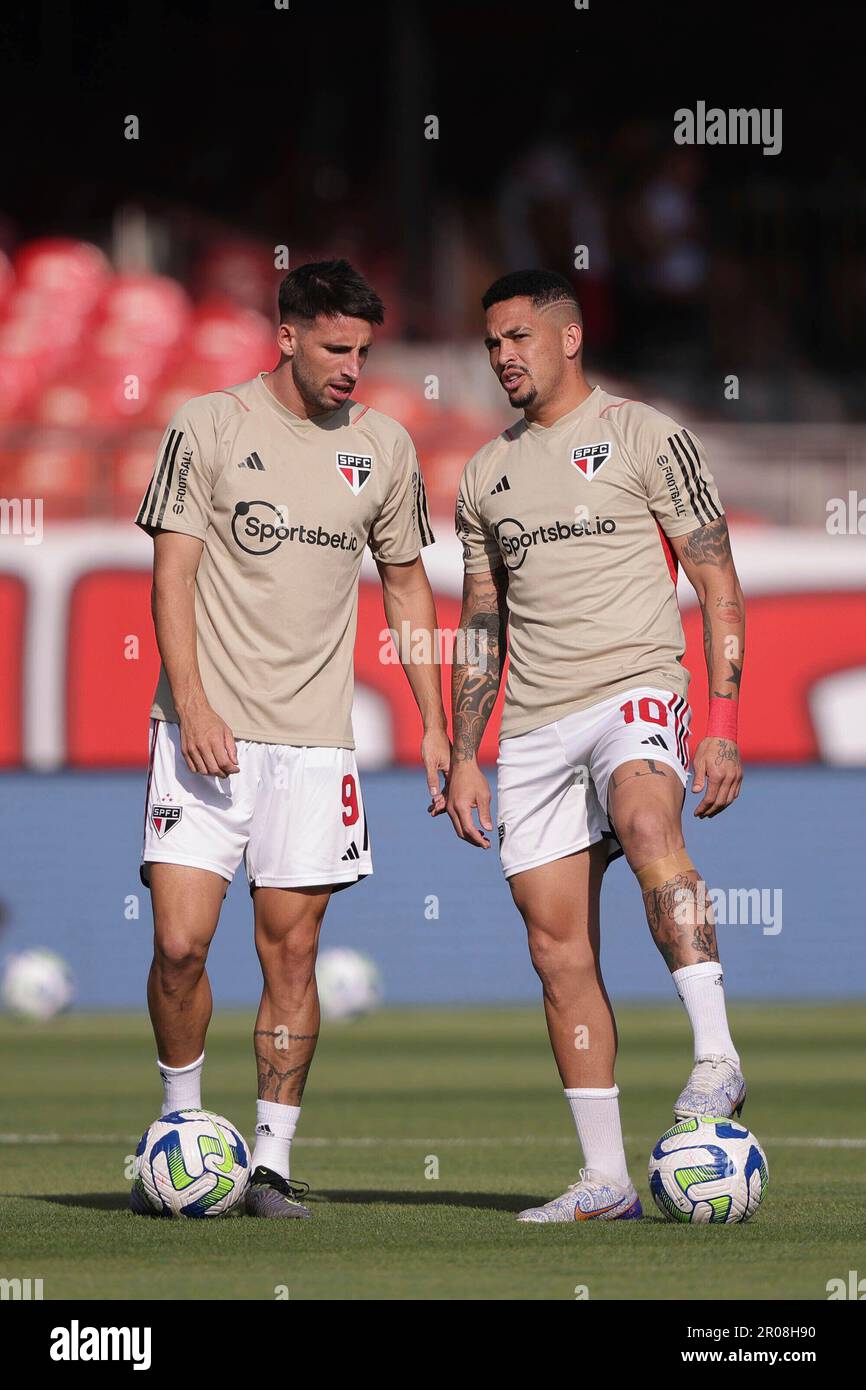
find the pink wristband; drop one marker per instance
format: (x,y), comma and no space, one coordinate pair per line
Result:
(722,722)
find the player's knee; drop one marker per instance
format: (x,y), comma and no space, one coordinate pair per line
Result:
(648,832)
(557,959)
(290,956)
(178,953)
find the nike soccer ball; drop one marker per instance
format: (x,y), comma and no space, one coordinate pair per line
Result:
(191,1163)
(708,1171)
(349,984)
(37,984)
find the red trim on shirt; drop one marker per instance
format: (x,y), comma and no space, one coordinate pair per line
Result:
(670,555)
(364,409)
(223,392)
(614,404)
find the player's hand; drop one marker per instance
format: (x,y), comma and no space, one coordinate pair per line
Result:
(718,774)
(207,743)
(467,791)
(436,757)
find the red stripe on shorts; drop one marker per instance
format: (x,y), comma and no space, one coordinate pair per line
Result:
(155,723)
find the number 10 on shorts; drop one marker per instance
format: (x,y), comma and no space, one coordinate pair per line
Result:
(649,711)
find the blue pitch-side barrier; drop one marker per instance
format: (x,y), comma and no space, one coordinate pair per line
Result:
(70,851)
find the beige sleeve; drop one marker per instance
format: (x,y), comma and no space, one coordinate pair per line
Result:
(178,496)
(681,490)
(480,551)
(402,527)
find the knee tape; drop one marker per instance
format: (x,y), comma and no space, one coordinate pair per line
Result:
(659,871)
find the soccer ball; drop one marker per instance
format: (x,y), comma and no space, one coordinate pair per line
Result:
(37,984)
(191,1163)
(349,984)
(708,1170)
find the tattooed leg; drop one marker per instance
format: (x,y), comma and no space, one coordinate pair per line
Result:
(282,1076)
(645,799)
(681,921)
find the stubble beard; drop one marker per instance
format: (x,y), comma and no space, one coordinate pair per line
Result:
(314,394)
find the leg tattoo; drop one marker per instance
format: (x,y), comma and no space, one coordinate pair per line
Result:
(681,921)
(282,1067)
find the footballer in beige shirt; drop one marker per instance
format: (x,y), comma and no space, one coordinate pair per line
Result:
(573,524)
(262,501)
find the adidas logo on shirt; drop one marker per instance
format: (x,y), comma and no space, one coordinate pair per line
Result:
(502,486)
(351,852)
(657,740)
(252,461)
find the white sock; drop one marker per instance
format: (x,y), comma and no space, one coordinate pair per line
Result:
(599,1133)
(275,1129)
(702,991)
(181,1086)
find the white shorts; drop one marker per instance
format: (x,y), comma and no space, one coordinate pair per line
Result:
(294,815)
(552,782)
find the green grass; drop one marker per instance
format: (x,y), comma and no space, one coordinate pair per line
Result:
(477,1090)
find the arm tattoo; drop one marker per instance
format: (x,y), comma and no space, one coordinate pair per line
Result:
(474,687)
(708,639)
(709,545)
(733,679)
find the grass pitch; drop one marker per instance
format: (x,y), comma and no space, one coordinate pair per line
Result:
(472,1095)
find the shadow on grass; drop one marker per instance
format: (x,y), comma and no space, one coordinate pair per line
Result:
(97,1201)
(492,1201)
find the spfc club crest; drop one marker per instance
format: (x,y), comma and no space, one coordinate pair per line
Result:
(162,818)
(355,469)
(589,458)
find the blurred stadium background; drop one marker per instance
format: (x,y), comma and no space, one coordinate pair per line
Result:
(135,273)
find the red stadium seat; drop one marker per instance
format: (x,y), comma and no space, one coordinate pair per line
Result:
(115,346)
(131,467)
(191,379)
(13,617)
(226,346)
(72,272)
(241,272)
(19,380)
(403,402)
(8,471)
(93,395)
(7,280)
(445,449)
(33,326)
(61,470)
(236,341)
(153,309)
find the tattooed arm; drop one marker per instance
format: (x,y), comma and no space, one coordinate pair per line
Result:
(705,555)
(478,658)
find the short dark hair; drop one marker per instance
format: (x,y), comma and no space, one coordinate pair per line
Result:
(331,288)
(541,286)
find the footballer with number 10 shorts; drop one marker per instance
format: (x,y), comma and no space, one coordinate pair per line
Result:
(262,501)
(573,523)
